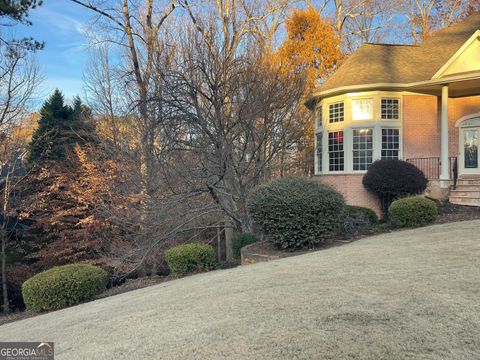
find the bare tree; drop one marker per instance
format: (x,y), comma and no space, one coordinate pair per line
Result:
(359,21)
(233,110)
(136,26)
(13,141)
(426,16)
(19,77)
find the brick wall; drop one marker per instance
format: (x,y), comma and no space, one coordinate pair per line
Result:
(421,124)
(351,187)
(421,127)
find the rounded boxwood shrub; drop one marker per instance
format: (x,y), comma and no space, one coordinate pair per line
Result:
(358,219)
(391,179)
(296,212)
(63,286)
(241,240)
(413,211)
(188,258)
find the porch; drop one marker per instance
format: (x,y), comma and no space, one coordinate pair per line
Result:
(464,189)
(455,174)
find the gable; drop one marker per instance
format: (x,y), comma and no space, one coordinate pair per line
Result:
(465,60)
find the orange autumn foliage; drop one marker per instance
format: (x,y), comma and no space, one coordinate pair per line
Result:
(312,47)
(311,50)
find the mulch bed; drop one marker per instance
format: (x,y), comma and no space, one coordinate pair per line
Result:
(452,213)
(447,213)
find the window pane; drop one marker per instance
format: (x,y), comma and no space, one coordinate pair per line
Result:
(470,141)
(362,109)
(335,112)
(335,151)
(390,143)
(319,151)
(362,148)
(390,109)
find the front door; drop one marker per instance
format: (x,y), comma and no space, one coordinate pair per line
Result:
(469,154)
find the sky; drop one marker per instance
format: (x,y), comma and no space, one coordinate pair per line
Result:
(61,25)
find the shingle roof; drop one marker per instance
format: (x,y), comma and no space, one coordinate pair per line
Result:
(386,63)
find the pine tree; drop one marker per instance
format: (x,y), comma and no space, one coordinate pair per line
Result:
(16,12)
(59,129)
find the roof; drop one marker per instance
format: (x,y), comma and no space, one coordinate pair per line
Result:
(388,63)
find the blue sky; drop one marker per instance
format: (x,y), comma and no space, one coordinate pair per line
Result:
(60,24)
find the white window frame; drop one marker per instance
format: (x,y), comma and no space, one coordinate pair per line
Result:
(373,146)
(343,150)
(399,108)
(348,125)
(330,112)
(372,103)
(399,140)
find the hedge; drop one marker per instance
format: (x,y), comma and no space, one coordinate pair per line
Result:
(63,286)
(296,212)
(189,258)
(412,212)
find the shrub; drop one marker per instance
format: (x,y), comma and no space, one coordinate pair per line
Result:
(241,240)
(391,179)
(63,286)
(296,212)
(413,211)
(188,258)
(358,219)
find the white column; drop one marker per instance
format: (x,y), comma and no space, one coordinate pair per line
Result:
(444,173)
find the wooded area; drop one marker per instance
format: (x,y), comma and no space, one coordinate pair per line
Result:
(189,106)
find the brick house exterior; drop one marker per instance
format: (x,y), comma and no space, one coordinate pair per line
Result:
(417,103)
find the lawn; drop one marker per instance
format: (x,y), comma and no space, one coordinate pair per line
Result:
(410,294)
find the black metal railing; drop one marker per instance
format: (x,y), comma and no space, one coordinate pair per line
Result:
(431,167)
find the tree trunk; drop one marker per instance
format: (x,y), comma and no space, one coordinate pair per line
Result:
(5,306)
(3,235)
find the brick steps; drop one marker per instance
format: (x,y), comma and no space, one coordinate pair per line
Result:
(467,191)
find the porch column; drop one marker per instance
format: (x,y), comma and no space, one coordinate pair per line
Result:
(444,171)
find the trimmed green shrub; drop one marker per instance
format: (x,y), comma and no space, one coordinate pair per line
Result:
(241,240)
(188,258)
(358,219)
(413,211)
(392,179)
(296,212)
(63,286)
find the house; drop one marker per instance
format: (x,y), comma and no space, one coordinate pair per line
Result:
(416,103)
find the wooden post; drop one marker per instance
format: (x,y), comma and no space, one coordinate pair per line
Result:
(219,245)
(228,241)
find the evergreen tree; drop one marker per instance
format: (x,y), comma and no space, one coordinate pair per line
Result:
(59,129)
(16,11)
